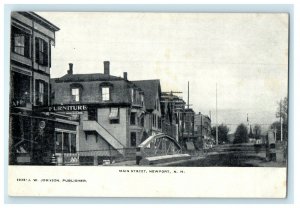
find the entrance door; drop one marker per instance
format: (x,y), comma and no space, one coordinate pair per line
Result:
(92,114)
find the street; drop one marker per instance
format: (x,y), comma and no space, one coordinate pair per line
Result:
(241,155)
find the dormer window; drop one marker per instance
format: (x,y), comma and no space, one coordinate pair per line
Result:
(105,94)
(105,90)
(76,91)
(75,94)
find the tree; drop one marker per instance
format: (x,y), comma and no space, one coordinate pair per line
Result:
(257,131)
(222,133)
(276,126)
(282,114)
(241,134)
(282,109)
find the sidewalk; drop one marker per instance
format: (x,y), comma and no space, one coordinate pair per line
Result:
(125,163)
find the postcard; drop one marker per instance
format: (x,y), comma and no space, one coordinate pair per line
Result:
(108,104)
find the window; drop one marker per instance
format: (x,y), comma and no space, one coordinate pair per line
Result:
(41,92)
(21,90)
(142,99)
(92,114)
(19,44)
(133,139)
(132,92)
(75,94)
(20,41)
(65,142)
(41,51)
(73,143)
(154,120)
(132,118)
(142,121)
(159,122)
(114,116)
(58,143)
(105,94)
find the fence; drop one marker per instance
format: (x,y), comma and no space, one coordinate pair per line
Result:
(96,157)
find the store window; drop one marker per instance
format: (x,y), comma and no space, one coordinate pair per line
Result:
(65,142)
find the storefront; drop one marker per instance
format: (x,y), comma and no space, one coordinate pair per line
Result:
(66,142)
(42,139)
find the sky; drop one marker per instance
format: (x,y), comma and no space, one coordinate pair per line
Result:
(244,56)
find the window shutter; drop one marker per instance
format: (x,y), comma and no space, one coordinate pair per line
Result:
(46,93)
(37,92)
(27,46)
(12,39)
(45,52)
(50,54)
(37,58)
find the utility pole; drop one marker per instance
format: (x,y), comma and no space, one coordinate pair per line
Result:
(281,139)
(188,105)
(217,139)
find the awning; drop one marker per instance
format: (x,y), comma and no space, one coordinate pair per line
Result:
(114,113)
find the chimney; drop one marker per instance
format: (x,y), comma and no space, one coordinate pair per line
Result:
(125,75)
(106,67)
(70,71)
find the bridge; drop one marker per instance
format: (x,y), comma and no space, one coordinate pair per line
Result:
(159,148)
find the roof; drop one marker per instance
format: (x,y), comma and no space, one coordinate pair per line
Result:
(40,20)
(87,77)
(120,95)
(151,88)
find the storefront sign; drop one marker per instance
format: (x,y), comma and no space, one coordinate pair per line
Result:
(67,108)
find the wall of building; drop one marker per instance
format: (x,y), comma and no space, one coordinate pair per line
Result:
(92,144)
(33,30)
(119,131)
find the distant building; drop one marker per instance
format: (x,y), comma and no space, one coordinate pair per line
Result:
(152,97)
(202,126)
(119,115)
(188,133)
(172,115)
(31,131)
